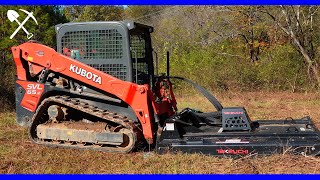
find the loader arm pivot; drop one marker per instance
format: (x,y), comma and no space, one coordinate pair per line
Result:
(134,95)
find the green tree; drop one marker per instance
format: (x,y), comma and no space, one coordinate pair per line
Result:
(143,14)
(252,29)
(94,13)
(72,13)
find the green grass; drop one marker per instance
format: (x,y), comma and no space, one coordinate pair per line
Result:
(19,155)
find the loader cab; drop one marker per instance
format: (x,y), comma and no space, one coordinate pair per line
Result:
(120,49)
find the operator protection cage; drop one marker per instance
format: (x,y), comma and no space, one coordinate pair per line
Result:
(120,49)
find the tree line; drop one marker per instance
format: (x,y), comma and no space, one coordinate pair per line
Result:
(221,47)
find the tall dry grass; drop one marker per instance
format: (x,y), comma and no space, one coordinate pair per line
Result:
(19,155)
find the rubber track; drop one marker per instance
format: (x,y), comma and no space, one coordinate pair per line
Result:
(130,128)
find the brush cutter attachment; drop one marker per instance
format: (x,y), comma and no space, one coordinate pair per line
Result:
(230,132)
(195,132)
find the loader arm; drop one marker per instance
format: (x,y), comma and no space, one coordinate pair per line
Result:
(136,96)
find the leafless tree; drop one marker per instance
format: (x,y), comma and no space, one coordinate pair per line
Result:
(298,23)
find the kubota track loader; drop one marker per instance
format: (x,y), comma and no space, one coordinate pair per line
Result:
(99,91)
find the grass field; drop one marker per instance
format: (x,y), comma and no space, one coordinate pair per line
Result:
(19,155)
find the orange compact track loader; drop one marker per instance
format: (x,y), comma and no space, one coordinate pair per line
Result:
(99,91)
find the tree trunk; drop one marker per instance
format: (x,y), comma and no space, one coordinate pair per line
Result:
(312,64)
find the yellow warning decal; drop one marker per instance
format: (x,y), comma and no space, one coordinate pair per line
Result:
(30,58)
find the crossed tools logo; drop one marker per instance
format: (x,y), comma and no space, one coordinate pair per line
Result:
(13,16)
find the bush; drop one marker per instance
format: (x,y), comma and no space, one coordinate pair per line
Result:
(280,68)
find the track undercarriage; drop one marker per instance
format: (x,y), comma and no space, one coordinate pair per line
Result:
(89,127)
